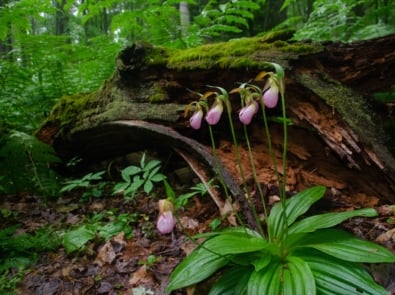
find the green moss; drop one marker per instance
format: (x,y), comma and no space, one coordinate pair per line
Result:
(245,52)
(69,108)
(158,93)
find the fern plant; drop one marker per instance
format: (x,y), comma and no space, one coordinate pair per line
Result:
(25,164)
(231,18)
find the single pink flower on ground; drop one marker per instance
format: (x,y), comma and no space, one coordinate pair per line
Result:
(196,120)
(214,114)
(270,97)
(166,222)
(246,113)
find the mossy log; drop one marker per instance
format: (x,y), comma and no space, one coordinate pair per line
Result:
(336,138)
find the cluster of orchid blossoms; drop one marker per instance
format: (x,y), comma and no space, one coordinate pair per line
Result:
(166,220)
(251,97)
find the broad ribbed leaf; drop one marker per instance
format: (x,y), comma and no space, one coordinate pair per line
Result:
(298,277)
(234,243)
(334,276)
(211,256)
(266,281)
(199,265)
(345,246)
(311,224)
(233,281)
(295,207)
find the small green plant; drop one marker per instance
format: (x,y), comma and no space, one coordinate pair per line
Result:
(92,184)
(134,178)
(182,200)
(101,225)
(290,253)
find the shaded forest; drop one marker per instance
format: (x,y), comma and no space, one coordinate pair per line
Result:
(94,138)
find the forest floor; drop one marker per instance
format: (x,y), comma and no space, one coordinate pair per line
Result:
(141,261)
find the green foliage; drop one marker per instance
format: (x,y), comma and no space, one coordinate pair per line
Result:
(230,19)
(182,200)
(9,281)
(25,164)
(20,250)
(102,226)
(91,183)
(305,261)
(348,20)
(135,178)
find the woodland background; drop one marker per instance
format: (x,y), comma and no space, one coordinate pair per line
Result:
(55,48)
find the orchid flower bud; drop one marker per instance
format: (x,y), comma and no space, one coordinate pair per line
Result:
(196,120)
(270,97)
(166,220)
(214,114)
(246,113)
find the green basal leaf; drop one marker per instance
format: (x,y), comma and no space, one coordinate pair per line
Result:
(295,207)
(338,277)
(212,255)
(196,267)
(262,262)
(311,224)
(266,281)
(233,281)
(298,277)
(343,245)
(228,243)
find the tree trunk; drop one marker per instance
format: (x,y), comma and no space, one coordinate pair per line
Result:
(336,139)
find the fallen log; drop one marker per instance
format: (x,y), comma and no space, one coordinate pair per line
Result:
(336,138)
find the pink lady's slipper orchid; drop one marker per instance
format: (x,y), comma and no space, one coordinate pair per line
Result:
(270,97)
(166,220)
(214,114)
(246,113)
(196,120)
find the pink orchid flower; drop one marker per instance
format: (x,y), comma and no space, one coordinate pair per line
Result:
(166,220)
(246,113)
(270,97)
(214,114)
(196,120)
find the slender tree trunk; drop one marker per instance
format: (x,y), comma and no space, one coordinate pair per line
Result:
(184,18)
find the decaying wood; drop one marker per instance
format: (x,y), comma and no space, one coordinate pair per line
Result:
(335,138)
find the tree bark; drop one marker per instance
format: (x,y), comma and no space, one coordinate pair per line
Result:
(336,138)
